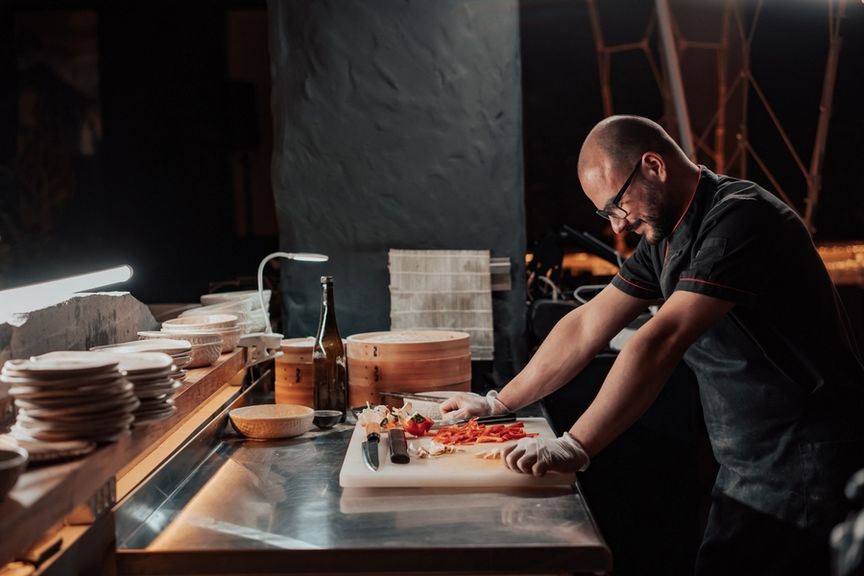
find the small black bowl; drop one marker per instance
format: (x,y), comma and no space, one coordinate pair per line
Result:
(325,419)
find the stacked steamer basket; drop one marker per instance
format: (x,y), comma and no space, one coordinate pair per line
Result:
(69,396)
(294,372)
(407,361)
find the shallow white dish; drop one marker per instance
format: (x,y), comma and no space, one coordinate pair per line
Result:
(190,337)
(196,323)
(156,343)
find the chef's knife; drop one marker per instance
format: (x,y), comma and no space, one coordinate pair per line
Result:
(370,450)
(498,419)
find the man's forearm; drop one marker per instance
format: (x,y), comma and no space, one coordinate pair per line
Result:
(630,387)
(566,351)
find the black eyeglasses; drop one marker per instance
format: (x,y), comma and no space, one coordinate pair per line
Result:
(616,211)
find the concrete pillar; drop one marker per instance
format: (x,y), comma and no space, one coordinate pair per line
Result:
(397,125)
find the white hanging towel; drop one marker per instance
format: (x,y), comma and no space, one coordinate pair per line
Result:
(443,289)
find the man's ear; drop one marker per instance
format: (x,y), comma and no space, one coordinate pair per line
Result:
(656,165)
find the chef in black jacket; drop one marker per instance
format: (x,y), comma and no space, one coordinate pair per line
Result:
(749,306)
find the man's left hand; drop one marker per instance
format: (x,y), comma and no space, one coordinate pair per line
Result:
(539,455)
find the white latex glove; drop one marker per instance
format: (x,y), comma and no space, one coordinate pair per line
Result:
(539,455)
(468,405)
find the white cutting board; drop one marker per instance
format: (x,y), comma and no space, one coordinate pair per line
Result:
(462,469)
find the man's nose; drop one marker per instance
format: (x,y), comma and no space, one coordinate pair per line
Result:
(618,225)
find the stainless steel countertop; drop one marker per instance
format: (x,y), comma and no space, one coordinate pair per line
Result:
(267,507)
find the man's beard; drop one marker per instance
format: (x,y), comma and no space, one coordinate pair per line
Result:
(658,217)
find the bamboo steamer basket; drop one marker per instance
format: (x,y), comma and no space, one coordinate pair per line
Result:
(295,376)
(407,361)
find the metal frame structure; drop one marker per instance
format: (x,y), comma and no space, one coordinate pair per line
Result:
(669,81)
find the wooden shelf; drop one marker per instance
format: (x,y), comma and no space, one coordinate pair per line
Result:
(45,495)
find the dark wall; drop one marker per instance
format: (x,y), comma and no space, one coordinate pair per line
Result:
(166,165)
(397,125)
(158,191)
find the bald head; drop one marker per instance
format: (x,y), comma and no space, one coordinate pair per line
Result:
(662,179)
(616,143)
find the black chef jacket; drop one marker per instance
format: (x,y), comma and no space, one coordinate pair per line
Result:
(780,376)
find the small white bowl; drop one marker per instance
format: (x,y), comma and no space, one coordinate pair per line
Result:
(271,421)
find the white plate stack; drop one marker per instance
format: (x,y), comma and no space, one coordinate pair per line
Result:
(150,374)
(63,396)
(181,351)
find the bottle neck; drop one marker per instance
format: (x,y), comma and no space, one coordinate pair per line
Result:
(327,318)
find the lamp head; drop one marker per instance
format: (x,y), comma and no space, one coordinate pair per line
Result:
(309,257)
(299,256)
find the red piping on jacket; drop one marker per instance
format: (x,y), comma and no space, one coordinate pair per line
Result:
(715,284)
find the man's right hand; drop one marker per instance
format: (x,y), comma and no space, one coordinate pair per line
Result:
(467,405)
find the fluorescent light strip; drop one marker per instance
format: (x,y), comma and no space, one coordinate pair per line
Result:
(28,298)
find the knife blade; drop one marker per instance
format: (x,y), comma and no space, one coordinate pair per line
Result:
(370,450)
(499,419)
(408,396)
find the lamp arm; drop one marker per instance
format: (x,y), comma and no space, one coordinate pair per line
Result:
(266,259)
(301,256)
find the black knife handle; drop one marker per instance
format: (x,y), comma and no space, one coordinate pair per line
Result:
(398,447)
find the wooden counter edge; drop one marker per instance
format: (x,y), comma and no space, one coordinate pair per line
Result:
(45,495)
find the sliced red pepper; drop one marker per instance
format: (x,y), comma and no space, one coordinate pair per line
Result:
(417,424)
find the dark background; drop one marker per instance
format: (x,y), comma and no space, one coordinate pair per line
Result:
(562,100)
(165,191)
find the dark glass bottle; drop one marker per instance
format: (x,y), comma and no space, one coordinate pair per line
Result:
(328,357)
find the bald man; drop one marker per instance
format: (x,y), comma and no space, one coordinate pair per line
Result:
(748,304)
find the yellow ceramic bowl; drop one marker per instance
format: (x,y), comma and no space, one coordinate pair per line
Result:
(271,421)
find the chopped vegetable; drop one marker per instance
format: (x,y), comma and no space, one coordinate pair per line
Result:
(474,433)
(380,418)
(491,454)
(434,450)
(377,418)
(417,424)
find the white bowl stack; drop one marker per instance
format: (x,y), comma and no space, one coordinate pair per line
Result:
(64,396)
(253,317)
(226,325)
